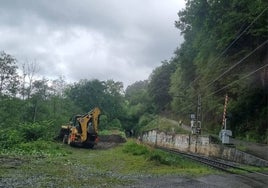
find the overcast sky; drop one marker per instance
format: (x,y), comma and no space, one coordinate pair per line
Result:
(123,40)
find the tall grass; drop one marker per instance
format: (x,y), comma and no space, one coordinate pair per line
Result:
(159,156)
(30,139)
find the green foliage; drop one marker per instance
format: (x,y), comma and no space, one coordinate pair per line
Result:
(208,27)
(11,112)
(158,156)
(8,75)
(107,95)
(165,158)
(9,138)
(136,149)
(218,34)
(145,119)
(86,94)
(159,85)
(115,124)
(43,148)
(29,139)
(165,125)
(36,131)
(138,104)
(136,110)
(103,122)
(113,132)
(251,123)
(36,148)
(137,93)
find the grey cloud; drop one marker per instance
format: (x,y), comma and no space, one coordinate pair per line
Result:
(91,38)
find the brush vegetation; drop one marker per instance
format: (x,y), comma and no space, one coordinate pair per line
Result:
(121,165)
(165,125)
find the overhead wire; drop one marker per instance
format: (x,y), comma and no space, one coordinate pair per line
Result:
(249,74)
(237,63)
(231,44)
(229,69)
(238,36)
(244,31)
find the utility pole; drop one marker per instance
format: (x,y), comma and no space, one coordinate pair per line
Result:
(224,113)
(196,118)
(198,115)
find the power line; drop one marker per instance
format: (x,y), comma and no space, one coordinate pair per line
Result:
(230,45)
(237,63)
(225,50)
(240,61)
(266,65)
(244,31)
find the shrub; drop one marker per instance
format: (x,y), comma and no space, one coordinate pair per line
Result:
(35,131)
(40,147)
(155,155)
(9,138)
(115,124)
(113,132)
(163,157)
(145,119)
(135,149)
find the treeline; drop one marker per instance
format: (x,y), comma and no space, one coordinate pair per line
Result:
(26,99)
(224,52)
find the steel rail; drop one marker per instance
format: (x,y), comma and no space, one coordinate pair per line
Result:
(215,163)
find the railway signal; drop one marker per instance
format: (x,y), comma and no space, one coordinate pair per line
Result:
(224,133)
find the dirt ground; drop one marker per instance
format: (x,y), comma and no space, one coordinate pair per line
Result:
(259,150)
(211,181)
(18,176)
(15,172)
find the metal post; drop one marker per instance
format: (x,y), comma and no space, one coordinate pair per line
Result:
(225,120)
(224,112)
(198,114)
(224,133)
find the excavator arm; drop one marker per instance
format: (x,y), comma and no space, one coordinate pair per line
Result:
(95,114)
(89,123)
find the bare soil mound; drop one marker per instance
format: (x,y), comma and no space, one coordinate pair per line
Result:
(112,138)
(109,141)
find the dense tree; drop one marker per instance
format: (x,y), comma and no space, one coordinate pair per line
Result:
(224,41)
(8,75)
(159,84)
(87,94)
(138,104)
(113,103)
(138,93)
(107,95)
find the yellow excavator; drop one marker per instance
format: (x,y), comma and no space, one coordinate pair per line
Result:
(82,131)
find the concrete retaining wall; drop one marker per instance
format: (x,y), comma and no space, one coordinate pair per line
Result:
(201,145)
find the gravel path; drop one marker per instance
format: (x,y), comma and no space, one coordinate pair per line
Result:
(16,172)
(259,150)
(215,181)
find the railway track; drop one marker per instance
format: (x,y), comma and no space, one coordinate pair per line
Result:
(222,165)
